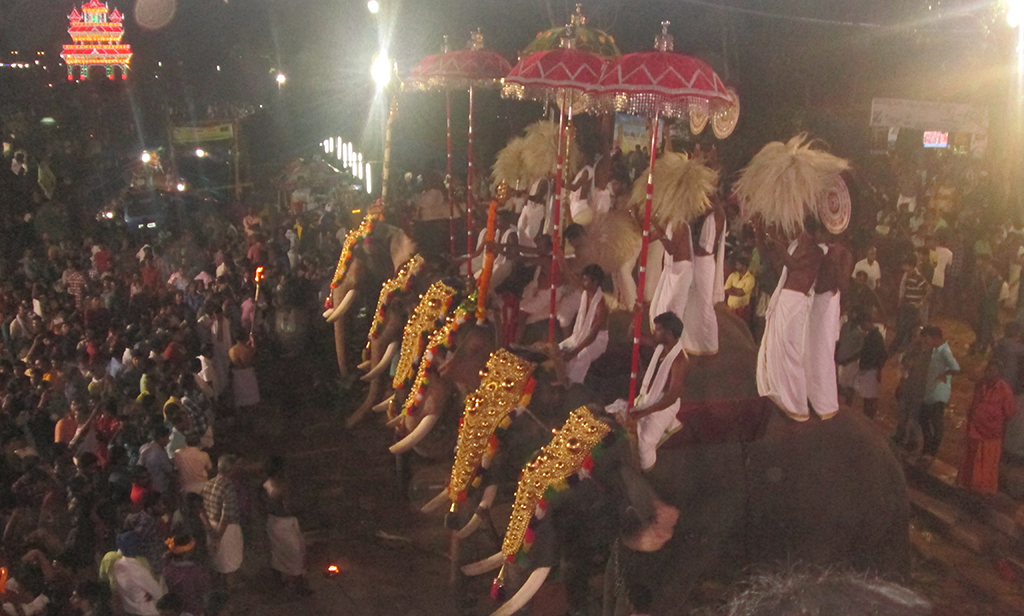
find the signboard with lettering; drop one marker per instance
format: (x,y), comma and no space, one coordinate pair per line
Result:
(929,116)
(201,134)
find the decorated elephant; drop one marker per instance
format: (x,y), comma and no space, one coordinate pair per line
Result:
(738,485)
(450,369)
(367,259)
(395,303)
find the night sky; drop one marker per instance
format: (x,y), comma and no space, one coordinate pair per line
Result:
(792,58)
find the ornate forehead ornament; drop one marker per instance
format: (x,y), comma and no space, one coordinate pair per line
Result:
(354,236)
(566,454)
(401,282)
(433,307)
(502,389)
(439,342)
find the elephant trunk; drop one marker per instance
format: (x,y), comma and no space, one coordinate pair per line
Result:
(418,433)
(342,307)
(384,364)
(478,517)
(521,598)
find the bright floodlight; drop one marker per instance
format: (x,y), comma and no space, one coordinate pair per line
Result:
(380,70)
(200,152)
(281,79)
(1014,12)
(181,187)
(374,6)
(146,157)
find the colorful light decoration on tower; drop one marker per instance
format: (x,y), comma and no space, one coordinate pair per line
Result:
(97,33)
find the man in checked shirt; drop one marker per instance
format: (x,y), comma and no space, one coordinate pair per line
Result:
(225,534)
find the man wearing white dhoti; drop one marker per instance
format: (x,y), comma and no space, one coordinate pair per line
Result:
(673,288)
(589,338)
(823,329)
(700,325)
(781,358)
(531,218)
(657,402)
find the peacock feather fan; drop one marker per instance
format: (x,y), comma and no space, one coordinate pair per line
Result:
(682,189)
(785,181)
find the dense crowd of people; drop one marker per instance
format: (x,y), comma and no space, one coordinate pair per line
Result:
(125,359)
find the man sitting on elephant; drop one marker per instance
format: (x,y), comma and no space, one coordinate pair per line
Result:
(658,401)
(589,339)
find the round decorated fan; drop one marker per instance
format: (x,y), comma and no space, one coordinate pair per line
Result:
(834,208)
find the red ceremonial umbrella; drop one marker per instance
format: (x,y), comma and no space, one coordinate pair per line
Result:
(566,75)
(664,83)
(464,69)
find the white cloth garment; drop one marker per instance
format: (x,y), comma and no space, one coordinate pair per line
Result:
(136,587)
(536,302)
(579,208)
(287,547)
(531,220)
(673,290)
(578,366)
(700,324)
(820,363)
(227,556)
(873,270)
(652,430)
(780,358)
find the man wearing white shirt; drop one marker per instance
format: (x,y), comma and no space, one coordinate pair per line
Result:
(943,256)
(869,265)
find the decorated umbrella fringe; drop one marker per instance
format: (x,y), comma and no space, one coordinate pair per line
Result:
(784,182)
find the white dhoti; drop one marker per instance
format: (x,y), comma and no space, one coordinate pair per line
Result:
(780,358)
(653,429)
(673,290)
(578,366)
(244,387)
(819,362)
(700,325)
(227,556)
(287,548)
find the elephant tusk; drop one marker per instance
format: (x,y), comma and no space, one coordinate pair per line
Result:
(470,527)
(384,364)
(383,406)
(477,519)
(437,502)
(364,366)
(523,596)
(343,307)
(483,566)
(418,434)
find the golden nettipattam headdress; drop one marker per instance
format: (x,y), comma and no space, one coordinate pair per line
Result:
(401,282)
(567,453)
(433,306)
(440,340)
(353,237)
(501,390)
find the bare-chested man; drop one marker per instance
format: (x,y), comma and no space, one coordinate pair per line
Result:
(781,360)
(673,290)
(823,326)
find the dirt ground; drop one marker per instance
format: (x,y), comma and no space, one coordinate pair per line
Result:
(394,560)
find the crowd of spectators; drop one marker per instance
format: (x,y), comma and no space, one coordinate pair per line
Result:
(125,359)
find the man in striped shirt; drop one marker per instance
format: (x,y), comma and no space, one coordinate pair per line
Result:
(914,291)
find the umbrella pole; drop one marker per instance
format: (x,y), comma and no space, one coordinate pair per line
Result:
(448,171)
(385,173)
(556,226)
(470,196)
(638,315)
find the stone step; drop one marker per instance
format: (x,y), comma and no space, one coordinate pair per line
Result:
(953,523)
(999,512)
